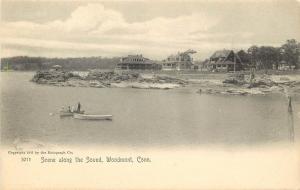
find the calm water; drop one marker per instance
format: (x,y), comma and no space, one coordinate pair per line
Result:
(140,117)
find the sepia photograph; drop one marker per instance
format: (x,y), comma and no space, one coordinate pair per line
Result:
(196,94)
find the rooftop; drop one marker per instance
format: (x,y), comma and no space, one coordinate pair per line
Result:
(221,53)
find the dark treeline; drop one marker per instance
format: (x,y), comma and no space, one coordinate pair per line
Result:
(269,57)
(25,63)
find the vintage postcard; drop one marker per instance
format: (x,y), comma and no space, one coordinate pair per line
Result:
(195,94)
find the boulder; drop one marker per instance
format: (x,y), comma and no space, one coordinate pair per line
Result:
(236,79)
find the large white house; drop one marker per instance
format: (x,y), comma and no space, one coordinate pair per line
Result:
(179,61)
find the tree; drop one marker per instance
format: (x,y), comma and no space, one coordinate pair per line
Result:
(245,58)
(291,52)
(268,56)
(264,57)
(253,54)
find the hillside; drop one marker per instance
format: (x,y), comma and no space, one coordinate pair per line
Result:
(24,63)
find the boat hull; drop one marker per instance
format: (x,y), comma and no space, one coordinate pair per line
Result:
(67,113)
(92,117)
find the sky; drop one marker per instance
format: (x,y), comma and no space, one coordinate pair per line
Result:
(155,29)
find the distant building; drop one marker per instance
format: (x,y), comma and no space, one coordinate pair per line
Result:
(284,66)
(180,61)
(136,62)
(225,60)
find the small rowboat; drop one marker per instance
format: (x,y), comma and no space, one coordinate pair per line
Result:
(92,117)
(68,113)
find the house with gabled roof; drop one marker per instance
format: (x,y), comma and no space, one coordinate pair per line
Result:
(225,60)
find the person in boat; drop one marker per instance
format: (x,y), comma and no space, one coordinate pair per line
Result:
(69,109)
(78,107)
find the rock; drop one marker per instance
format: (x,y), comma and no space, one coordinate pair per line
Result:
(111,76)
(96,84)
(236,92)
(284,79)
(237,79)
(44,77)
(231,81)
(209,91)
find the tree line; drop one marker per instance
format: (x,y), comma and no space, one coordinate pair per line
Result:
(25,63)
(269,57)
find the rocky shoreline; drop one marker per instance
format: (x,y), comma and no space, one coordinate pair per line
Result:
(232,84)
(240,84)
(100,79)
